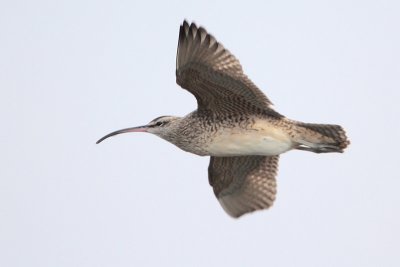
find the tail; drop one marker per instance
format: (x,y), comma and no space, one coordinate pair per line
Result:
(321,138)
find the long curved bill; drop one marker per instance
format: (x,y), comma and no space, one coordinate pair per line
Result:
(127,130)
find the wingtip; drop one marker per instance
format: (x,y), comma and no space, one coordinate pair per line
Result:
(185,26)
(193,25)
(189,25)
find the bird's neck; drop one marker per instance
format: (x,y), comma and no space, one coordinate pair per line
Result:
(182,133)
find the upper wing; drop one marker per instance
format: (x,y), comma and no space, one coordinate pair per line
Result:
(243,184)
(214,76)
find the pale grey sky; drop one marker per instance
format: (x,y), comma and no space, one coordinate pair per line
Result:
(72,71)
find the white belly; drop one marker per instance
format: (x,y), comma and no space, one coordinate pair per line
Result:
(262,140)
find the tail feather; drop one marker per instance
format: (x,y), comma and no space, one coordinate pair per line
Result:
(321,138)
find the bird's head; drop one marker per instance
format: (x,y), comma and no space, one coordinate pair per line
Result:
(161,126)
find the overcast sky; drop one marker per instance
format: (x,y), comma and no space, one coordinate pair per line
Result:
(72,71)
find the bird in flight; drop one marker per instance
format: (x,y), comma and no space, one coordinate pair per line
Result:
(235,124)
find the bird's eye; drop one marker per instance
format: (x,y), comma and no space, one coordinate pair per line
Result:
(160,123)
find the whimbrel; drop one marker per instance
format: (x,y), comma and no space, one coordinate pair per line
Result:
(235,124)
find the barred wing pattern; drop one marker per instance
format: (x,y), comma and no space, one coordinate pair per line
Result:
(244,184)
(214,76)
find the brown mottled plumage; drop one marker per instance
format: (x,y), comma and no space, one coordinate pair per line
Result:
(244,184)
(235,124)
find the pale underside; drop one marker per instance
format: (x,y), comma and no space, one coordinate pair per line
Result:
(262,138)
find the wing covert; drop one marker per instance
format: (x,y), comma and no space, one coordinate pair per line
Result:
(244,184)
(213,75)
